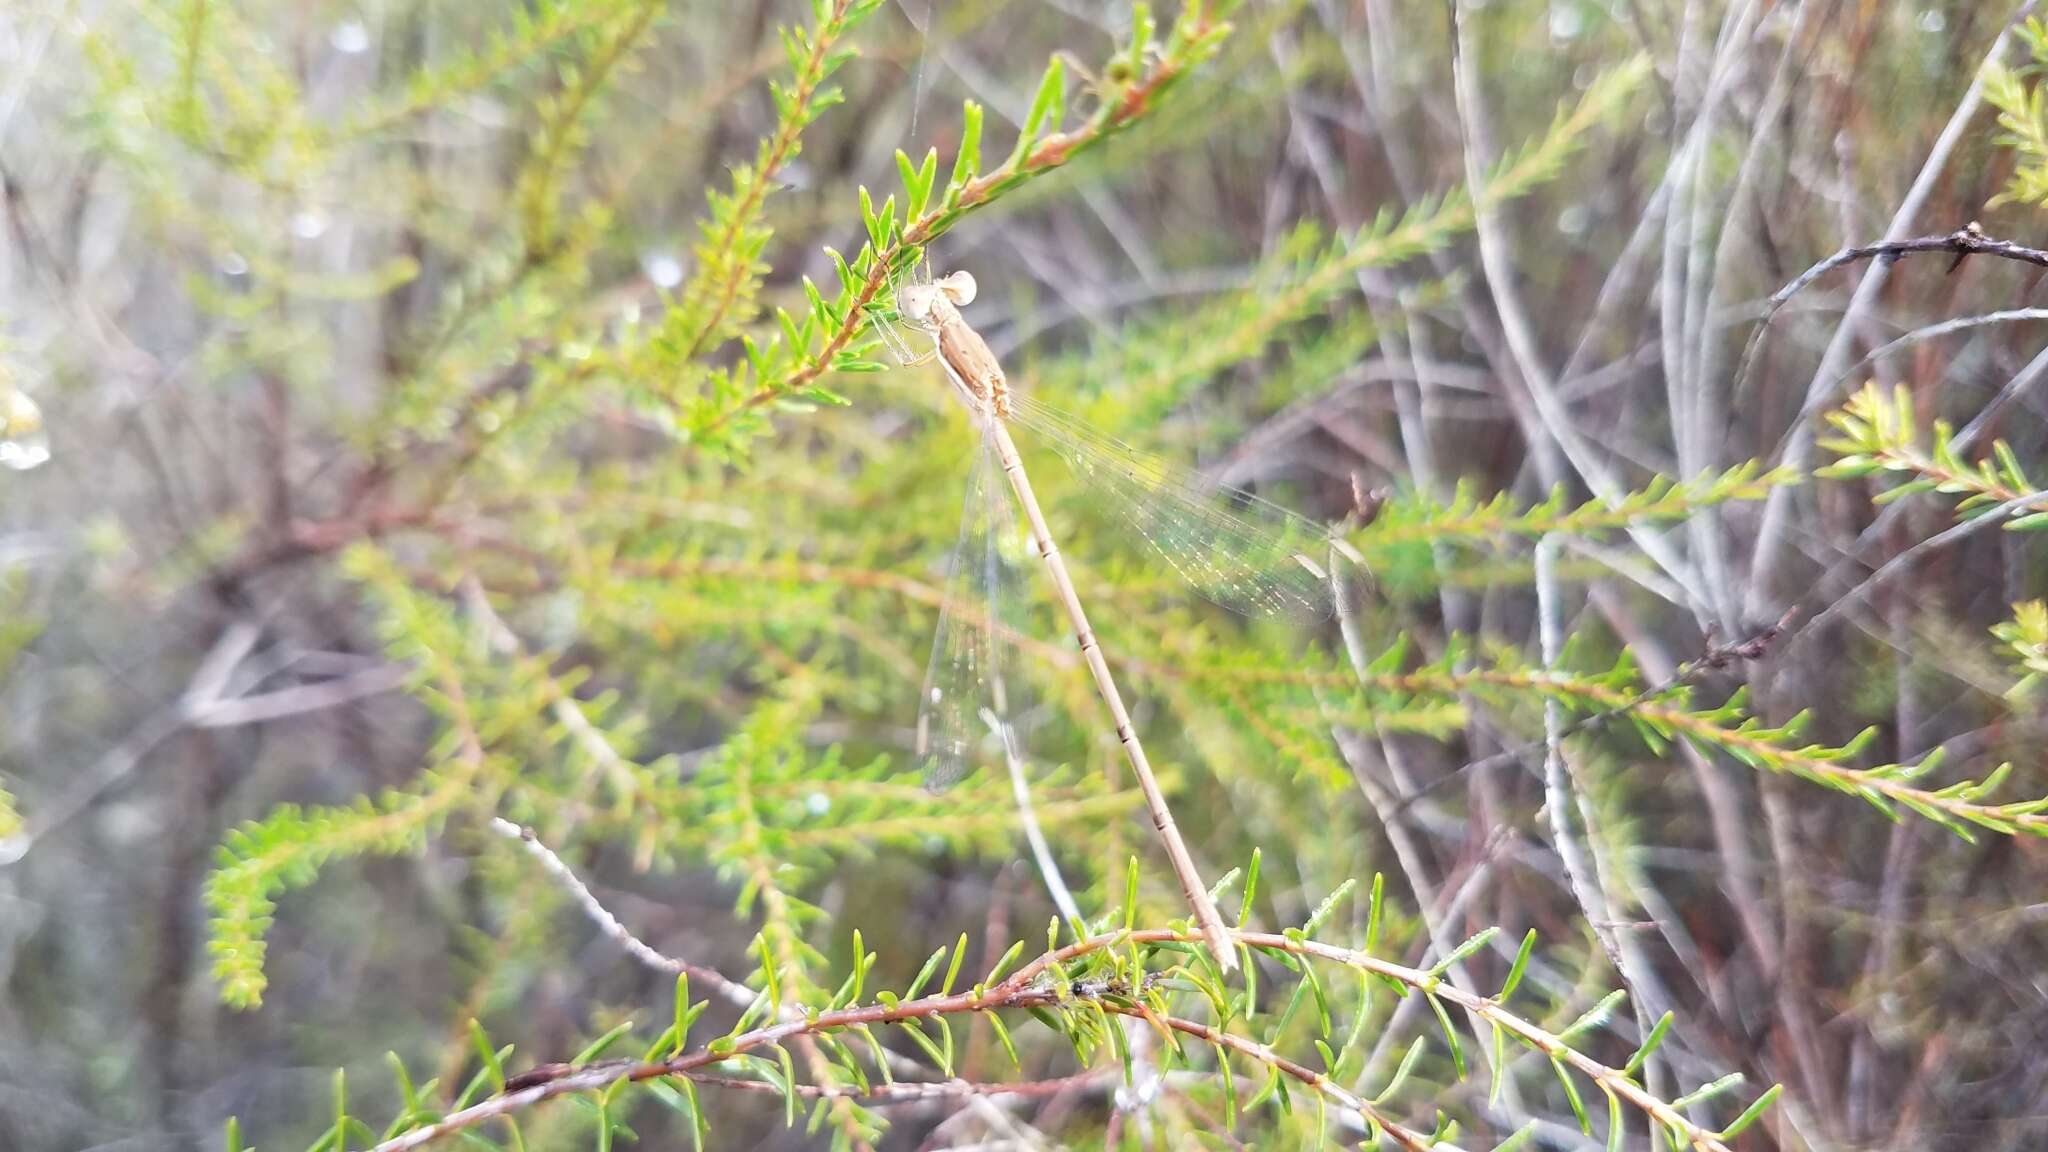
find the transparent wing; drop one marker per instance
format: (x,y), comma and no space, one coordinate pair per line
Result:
(963,712)
(1243,553)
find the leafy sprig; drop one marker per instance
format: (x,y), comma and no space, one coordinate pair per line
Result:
(1730,728)
(837,335)
(2016,92)
(1877,435)
(1156,976)
(718,299)
(1156,364)
(2026,639)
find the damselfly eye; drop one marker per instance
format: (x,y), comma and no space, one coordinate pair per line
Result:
(915,302)
(959,288)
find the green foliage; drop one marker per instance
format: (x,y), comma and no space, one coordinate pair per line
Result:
(718,302)
(697,539)
(287,848)
(1156,366)
(2026,635)
(1880,435)
(1661,714)
(726,410)
(563,136)
(1401,543)
(2023,116)
(769,818)
(1082,995)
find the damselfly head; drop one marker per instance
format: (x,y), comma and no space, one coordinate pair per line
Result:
(916,302)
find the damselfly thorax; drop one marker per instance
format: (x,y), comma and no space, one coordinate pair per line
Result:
(935,307)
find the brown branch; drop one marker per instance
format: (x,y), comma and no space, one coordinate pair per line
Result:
(1962,243)
(913,1092)
(1032,987)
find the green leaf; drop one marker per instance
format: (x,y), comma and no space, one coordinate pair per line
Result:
(878,233)
(1516,1139)
(1594,1017)
(1500,1063)
(1409,1059)
(1328,907)
(1373,911)
(1708,1091)
(492,1064)
(788,1087)
(771,981)
(341,1108)
(1266,1090)
(1750,1114)
(1443,1019)
(596,1047)
(1571,1093)
(1459,954)
(923,1041)
(917,181)
(2031,522)
(1251,889)
(953,968)
(683,1016)
(1002,1031)
(1520,966)
(1649,1046)
(1048,104)
(700,1127)
(967,163)
(1003,963)
(1231,1111)
(931,965)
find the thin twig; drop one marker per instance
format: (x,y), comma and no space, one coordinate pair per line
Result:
(1041,852)
(734,992)
(1962,243)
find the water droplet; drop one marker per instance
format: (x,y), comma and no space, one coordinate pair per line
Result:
(1574,220)
(350,37)
(937,694)
(233,264)
(23,444)
(309,223)
(1566,21)
(665,270)
(817,803)
(1932,21)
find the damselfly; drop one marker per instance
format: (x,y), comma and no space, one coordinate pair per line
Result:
(1243,552)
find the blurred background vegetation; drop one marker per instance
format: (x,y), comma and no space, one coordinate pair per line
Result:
(424,446)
